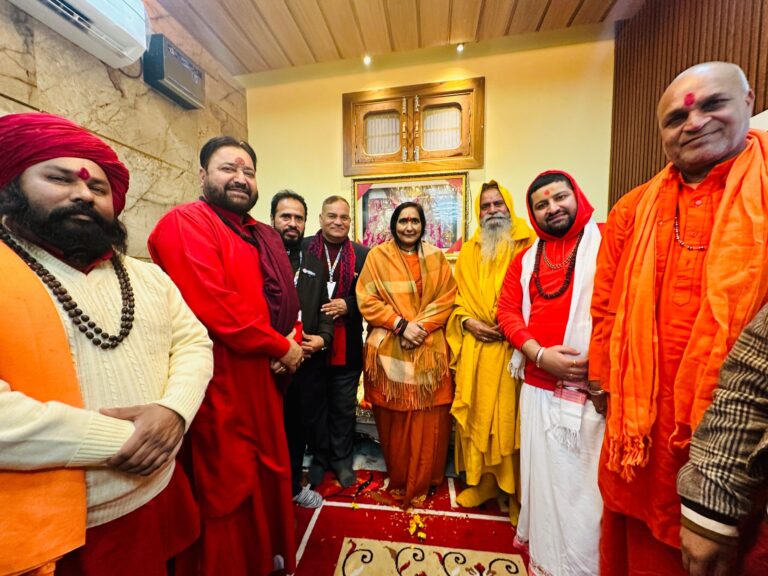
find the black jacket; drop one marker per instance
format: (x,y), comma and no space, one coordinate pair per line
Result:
(313,293)
(353,320)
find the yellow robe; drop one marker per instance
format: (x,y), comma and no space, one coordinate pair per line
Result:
(485,403)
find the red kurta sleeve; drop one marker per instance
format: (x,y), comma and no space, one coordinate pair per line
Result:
(186,246)
(608,276)
(510,307)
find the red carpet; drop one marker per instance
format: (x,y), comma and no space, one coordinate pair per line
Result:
(367,511)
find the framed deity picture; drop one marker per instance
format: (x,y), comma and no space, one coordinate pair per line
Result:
(443,197)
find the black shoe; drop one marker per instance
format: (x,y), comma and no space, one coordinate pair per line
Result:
(347,477)
(316,474)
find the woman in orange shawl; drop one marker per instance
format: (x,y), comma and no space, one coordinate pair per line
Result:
(405,292)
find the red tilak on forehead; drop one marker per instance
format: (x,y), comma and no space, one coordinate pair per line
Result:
(83,173)
(547,192)
(689,99)
(239,161)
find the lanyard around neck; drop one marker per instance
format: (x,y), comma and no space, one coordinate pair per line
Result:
(332,268)
(298,270)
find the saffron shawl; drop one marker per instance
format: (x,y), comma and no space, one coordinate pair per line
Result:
(407,378)
(479,284)
(43,512)
(734,287)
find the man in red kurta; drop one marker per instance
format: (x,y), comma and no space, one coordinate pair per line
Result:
(235,275)
(543,311)
(680,273)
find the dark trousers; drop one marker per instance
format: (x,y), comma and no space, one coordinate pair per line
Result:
(320,413)
(341,394)
(305,417)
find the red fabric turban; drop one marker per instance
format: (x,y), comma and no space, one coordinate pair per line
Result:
(34,137)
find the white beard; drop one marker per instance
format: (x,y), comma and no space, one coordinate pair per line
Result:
(494,237)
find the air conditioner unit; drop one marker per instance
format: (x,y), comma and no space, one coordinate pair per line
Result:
(115,31)
(168,70)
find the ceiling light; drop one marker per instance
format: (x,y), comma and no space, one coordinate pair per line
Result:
(460,48)
(367,60)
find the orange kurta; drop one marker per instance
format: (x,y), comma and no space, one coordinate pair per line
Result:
(646,491)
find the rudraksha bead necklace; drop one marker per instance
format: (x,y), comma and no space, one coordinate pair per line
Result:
(568,272)
(83,322)
(691,247)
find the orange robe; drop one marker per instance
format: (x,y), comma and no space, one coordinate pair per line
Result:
(415,442)
(414,434)
(641,522)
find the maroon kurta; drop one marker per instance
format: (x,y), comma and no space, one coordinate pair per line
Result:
(241,469)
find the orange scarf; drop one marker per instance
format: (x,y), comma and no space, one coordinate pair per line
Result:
(406,377)
(734,287)
(42,512)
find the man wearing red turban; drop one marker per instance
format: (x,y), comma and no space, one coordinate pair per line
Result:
(102,367)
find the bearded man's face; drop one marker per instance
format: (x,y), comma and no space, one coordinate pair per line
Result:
(67,204)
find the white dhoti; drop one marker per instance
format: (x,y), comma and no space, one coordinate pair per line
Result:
(561,505)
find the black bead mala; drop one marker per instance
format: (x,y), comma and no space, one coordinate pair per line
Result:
(568,272)
(83,322)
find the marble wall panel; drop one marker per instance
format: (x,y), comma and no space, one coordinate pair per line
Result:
(221,88)
(11,106)
(117,107)
(155,188)
(18,77)
(158,140)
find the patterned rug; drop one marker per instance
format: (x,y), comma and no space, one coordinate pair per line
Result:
(365,557)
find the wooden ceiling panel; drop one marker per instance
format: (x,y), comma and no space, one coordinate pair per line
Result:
(465,15)
(591,12)
(495,18)
(250,36)
(435,22)
(372,20)
(208,38)
(624,9)
(559,14)
(404,24)
(286,32)
(341,22)
(310,21)
(527,16)
(251,25)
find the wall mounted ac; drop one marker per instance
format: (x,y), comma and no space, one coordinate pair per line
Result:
(115,31)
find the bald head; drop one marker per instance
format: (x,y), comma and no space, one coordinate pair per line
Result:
(704,117)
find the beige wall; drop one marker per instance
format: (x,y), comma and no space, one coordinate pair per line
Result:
(545,108)
(158,140)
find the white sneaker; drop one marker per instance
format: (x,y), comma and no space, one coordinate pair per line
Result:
(308,498)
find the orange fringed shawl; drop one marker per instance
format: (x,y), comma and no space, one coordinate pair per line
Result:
(406,378)
(734,287)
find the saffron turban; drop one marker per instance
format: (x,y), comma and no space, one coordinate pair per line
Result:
(31,138)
